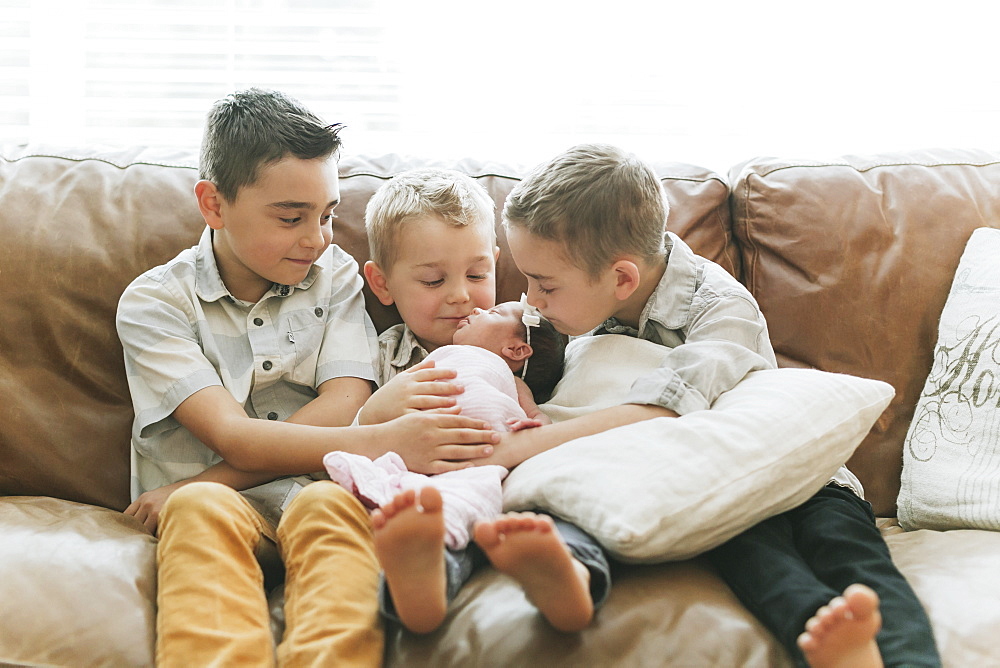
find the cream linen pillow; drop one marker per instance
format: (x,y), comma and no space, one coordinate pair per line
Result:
(951,456)
(671,488)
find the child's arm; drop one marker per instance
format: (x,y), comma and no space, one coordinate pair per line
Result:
(429,442)
(516,447)
(147,506)
(256,451)
(335,406)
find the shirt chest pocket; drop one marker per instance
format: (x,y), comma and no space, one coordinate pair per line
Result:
(303,337)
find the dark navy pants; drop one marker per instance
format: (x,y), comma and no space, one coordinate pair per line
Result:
(787,567)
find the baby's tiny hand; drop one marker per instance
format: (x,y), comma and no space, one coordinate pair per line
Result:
(517,424)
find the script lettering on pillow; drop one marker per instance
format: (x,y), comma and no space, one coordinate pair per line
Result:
(951,456)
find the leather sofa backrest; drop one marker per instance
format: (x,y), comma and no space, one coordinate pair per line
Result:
(851,263)
(78,225)
(76,229)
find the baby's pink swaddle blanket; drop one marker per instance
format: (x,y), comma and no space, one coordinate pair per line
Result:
(469,494)
(489,390)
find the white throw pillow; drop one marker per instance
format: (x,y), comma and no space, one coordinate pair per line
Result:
(670,488)
(951,456)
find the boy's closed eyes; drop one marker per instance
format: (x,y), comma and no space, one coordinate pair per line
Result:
(440,273)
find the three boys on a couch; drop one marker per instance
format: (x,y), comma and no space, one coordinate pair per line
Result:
(250,358)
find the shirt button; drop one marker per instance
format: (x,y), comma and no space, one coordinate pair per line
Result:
(318,312)
(272,416)
(267,365)
(258,321)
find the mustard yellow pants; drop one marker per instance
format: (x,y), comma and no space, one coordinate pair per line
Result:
(212,606)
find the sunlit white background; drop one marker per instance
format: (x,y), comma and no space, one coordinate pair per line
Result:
(710,83)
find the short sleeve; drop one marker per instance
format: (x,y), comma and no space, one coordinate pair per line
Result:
(349,346)
(164,360)
(723,338)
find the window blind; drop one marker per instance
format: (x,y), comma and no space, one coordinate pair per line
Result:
(517,80)
(146,72)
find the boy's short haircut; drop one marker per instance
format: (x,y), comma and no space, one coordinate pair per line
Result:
(545,366)
(597,200)
(250,129)
(455,197)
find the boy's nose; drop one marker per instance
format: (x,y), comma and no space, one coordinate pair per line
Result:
(476,310)
(312,236)
(458,294)
(534,299)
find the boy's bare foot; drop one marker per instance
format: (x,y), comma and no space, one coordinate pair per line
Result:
(409,542)
(842,634)
(527,547)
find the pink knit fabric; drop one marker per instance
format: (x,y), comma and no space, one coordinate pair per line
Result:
(490,394)
(469,494)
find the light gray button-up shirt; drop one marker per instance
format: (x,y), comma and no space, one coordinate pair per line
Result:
(182,331)
(698,304)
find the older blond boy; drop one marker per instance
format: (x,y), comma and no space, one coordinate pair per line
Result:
(587,229)
(433,244)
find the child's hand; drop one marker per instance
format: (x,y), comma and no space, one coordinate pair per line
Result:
(433,442)
(419,388)
(147,507)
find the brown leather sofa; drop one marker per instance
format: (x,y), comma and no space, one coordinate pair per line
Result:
(851,262)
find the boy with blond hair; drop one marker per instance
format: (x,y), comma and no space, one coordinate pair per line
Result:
(247,357)
(587,229)
(433,245)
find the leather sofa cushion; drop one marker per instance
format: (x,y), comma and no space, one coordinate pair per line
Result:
(956,578)
(78,585)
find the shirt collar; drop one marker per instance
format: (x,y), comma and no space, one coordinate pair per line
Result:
(409,351)
(208,281)
(671,299)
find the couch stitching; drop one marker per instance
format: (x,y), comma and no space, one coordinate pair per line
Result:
(751,262)
(877,165)
(96,159)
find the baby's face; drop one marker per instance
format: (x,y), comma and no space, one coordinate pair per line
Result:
(493,328)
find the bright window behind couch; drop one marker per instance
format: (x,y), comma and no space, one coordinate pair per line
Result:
(711,83)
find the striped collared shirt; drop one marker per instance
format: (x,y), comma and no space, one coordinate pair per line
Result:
(398,350)
(183,331)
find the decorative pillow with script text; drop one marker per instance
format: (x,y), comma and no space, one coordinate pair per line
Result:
(951,456)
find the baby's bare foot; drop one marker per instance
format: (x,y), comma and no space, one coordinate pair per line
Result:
(842,634)
(409,542)
(527,547)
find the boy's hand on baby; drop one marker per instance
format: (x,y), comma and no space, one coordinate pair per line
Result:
(147,507)
(433,442)
(420,388)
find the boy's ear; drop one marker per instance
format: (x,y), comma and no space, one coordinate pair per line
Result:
(376,281)
(496,254)
(209,203)
(517,351)
(626,278)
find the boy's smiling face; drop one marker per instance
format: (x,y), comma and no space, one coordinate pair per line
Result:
(571,299)
(441,273)
(276,228)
